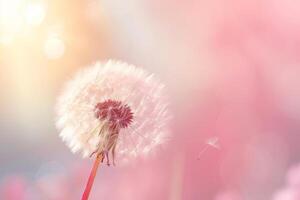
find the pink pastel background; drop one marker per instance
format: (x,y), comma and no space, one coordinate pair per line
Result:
(231,69)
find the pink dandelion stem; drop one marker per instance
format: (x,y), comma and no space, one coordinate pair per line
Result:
(92,176)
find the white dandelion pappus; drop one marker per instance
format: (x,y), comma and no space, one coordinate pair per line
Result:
(113,108)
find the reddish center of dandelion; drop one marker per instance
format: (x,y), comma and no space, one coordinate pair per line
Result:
(118,115)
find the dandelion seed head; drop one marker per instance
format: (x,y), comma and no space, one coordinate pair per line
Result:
(126,98)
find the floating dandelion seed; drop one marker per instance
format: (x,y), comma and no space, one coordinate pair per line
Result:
(214,142)
(210,142)
(112,109)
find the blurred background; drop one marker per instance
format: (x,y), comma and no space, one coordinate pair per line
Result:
(231,69)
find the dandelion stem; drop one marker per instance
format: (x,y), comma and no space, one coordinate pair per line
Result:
(92,176)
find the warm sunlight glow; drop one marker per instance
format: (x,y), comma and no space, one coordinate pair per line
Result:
(16,15)
(35,13)
(10,20)
(54,47)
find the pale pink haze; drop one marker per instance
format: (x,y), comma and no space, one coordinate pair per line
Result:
(291,190)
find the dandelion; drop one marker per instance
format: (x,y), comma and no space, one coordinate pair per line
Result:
(112,110)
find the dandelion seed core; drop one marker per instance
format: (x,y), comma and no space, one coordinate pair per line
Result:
(117,114)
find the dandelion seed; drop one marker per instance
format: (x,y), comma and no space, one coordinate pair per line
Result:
(210,142)
(213,142)
(101,102)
